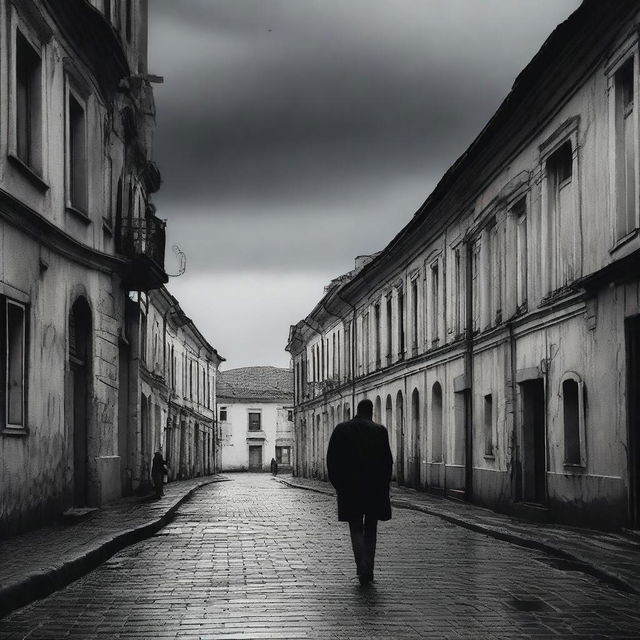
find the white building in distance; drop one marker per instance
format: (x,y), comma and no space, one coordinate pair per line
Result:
(255,414)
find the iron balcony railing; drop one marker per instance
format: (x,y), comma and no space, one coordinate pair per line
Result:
(143,237)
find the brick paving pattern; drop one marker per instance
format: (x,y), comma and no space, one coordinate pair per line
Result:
(252,558)
(611,554)
(50,547)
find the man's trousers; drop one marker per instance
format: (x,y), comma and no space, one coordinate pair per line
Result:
(363,540)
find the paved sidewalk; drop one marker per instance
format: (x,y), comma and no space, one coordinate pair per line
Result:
(35,564)
(612,557)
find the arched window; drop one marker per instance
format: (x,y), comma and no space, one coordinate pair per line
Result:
(377,413)
(572,392)
(436,422)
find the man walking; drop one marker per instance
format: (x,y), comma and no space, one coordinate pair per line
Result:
(359,463)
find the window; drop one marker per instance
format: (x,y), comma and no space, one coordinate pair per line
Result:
(347,350)
(475,285)
(414,313)
(520,213)
(376,315)
(493,281)
(339,367)
(333,355)
(77,153)
(128,20)
(28,104)
(561,216)
(13,350)
(625,150)
(173,370)
(223,414)
(389,327)
(458,302)
(143,337)
(290,415)
(573,420)
(435,310)
(365,342)
(488,425)
(283,455)
(255,418)
(401,324)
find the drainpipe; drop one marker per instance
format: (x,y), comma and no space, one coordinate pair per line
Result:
(468,367)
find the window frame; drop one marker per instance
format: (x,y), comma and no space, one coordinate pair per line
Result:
(226,414)
(582,444)
(35,167)
(254,412)
(6,426)
(488,428)
(72,204)
(628,52)
(551,278)
(435,279)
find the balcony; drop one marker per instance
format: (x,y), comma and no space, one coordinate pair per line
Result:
(142,240)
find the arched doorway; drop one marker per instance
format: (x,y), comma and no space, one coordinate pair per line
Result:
(400,465)
(80,359)
(415,448)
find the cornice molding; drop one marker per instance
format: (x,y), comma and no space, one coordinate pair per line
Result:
(48,235)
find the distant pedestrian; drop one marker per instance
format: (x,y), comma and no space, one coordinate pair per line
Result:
(158,471)
(359,462)
(274,467)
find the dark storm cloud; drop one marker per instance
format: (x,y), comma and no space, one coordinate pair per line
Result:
(273,102)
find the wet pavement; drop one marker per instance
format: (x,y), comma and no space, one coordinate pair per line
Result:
(253,558)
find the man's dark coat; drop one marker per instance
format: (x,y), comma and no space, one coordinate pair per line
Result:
(359,462)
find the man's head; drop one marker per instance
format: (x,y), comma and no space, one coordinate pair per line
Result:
(365,409)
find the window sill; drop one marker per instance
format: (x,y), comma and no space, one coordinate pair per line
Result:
(574,467)
(29,173)
(489,456)
(78,214)
(15,432)
(623,241)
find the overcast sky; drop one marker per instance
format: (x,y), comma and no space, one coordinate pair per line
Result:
(294,135)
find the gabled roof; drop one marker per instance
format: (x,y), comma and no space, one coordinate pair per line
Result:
(264,384)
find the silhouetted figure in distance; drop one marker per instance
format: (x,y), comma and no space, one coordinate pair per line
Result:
(359,463)
(158,469)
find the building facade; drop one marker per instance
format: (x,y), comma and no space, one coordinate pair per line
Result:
(497,334)
(170,406)
(78,234)
(255,413)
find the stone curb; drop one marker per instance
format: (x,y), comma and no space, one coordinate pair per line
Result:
(585,565)
(40,584)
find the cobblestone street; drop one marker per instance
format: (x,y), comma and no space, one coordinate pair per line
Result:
(252,558)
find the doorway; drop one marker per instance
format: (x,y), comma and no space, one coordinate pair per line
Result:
(79,388)
(633,420)
(534,464)
(255,458)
